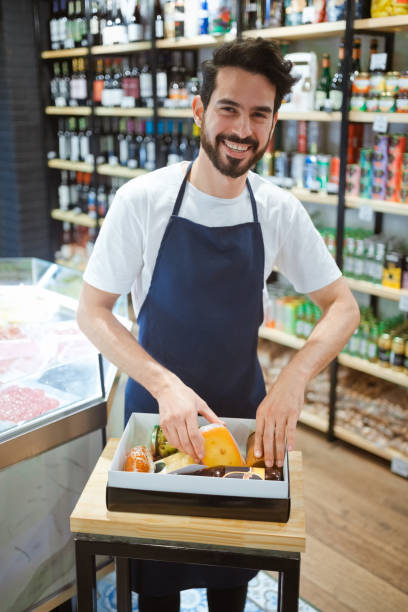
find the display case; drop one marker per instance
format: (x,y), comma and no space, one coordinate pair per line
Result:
(53,382)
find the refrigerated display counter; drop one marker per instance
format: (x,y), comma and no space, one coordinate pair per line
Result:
(54,387)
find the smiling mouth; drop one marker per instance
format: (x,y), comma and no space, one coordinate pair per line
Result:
(237,148)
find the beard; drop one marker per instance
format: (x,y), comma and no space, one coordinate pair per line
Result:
(233,167)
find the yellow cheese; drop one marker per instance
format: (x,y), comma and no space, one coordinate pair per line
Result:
(220,447)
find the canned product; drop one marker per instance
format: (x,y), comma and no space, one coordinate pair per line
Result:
(402,102)
(377,82)
(384,349)
(387,103)
(403,82)
(310,173)
(353,174)
(373,101)
(334,175)
(358,102)
(392,273)
(298,168)
(323,165)
(392,82)
(361,83)
(281,164)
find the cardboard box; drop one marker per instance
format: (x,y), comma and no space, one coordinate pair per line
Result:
(193,495)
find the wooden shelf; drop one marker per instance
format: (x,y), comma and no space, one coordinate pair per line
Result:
(68,110)
(356,440)
(304,195)
(196,42)
(65,164)
(392,208)
(116,111)
(362,365)
(128,48)
(177,113)
(300,32)
(365,117)
(119,171)
(397,23)
(309,115)
(71,217)
(313,420)
(61,53)
(280,337)
(375,289)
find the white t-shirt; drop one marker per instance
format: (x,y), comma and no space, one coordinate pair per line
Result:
(124,255)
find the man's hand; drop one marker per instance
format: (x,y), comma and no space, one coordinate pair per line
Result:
(276,418)
(179,407)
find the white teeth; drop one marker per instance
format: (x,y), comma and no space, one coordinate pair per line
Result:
(236,147)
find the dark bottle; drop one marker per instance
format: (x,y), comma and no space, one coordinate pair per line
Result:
(101,200)
(62,23)
(158,20)
(70,41)
(107,31)
(63,191)
(116,87)
(53,25)
(123,143)
(150,144)
(373,51)
(162,145)
(135,25)
(336,87)
(85,134)
(82,84)
(161,81)
(64,84)
(74,140)
(55,83)
(323,86)
(94,24)
(179,18)
(63,151)
(119,29)
(251,14)
(355,64)
(132,145)
(146,84)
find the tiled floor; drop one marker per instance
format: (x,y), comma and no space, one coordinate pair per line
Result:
(262,596)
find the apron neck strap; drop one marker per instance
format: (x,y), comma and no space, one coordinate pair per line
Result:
(182,190)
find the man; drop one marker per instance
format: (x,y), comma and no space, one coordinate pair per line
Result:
(194,245)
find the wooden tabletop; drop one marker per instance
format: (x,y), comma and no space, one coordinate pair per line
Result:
(90,516)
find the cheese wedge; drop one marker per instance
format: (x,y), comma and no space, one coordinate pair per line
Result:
(220,447)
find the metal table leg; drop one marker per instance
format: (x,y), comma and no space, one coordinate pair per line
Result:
(123,592)
(85,575)
(288,589)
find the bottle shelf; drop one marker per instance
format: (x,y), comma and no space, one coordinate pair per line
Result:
(393,208)
(300,32)
(122,48)
(71,217)
(115,111)
(176,113)
(65,164)
(397,23)
(68,110)
(375,289)
(120,171)
(362,365)
(309,115)
(62,53)
(304,195)
(365,117)
(196,42)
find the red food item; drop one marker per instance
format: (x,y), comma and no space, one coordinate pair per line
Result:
(24,403)
(138,459)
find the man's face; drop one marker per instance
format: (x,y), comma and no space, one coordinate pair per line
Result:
(238,122)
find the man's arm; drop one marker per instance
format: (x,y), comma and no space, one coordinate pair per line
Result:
(278,413)
(179,405)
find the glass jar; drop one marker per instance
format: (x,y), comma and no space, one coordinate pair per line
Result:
(403,82)
(392,82)
(358,102)
(402,102)
(373,102)
(386,103)
(377,82)
(361,83)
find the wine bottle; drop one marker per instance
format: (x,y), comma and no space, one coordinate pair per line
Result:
(336,87)
(158,20)
(135,25)
(323,86)
(55,41)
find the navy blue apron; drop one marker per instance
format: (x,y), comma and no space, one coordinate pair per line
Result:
(200,320)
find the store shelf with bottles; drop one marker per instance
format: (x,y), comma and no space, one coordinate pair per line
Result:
(69,216)
(367,117)
(118,49)
(64,53)
(68,110)
(383,206)
(65,164)
(114,111)
(396,23)
(102,169)
(362,365)
(299,32)
(204,41)
(376,289)
(285,115)
(314,197)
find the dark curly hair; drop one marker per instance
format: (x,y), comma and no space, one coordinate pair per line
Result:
(255,55)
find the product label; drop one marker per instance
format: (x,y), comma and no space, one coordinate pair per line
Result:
(97,91)
(135,32)
(74,148)
(320,100)
(146,85)
(84,147)
(384,355)
(159,28)
(161,84)
(336,98)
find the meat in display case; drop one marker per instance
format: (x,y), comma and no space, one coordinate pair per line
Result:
(53,382)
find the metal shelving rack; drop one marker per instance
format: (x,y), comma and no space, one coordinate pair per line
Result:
(347,28)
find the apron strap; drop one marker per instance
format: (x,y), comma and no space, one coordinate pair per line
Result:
(180,195)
